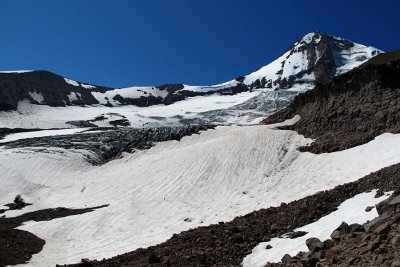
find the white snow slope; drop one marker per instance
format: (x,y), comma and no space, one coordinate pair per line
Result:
(350,211)
(149,200)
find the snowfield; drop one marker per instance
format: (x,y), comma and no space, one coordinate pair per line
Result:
(217,175)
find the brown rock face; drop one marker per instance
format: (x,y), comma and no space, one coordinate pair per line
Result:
(350,110)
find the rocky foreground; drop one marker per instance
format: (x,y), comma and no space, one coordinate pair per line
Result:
(376,243)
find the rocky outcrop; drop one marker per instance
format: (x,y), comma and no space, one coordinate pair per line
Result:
(41,87)
(350,110)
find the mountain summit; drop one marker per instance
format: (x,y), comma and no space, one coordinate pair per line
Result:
(315,58)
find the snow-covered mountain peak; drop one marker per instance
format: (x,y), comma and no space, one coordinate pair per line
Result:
(315,58)
(311,37)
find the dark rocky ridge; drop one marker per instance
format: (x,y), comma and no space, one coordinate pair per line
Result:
(226,244)
(15,87)
(350,110)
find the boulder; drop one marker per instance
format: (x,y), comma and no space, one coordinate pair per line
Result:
(314,244)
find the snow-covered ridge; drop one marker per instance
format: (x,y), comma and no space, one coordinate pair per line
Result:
(15,71)
(77,84)
(209,88)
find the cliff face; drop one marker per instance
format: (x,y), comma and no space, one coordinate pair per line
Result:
(351,109)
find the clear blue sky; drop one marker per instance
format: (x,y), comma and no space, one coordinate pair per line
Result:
(148,42)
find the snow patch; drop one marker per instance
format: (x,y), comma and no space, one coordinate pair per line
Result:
(309,37)
(72,82)
(87,86)
(74,96)
(350,211)
(354,56)
(38,97)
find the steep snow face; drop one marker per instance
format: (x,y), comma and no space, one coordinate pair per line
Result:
(315,58)
(348,59)
(216,176)
(71,82)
